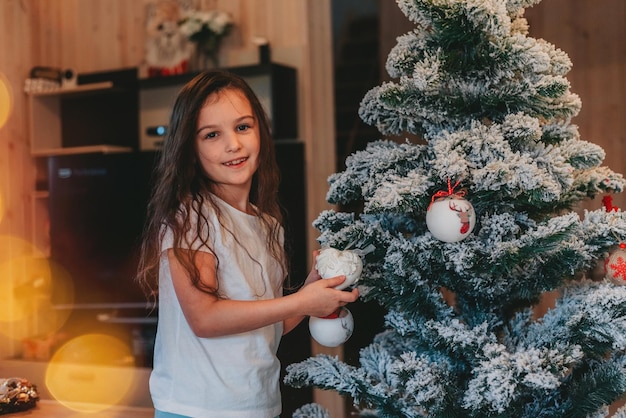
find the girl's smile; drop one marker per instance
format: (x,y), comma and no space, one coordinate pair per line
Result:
(228,143)
(236,162)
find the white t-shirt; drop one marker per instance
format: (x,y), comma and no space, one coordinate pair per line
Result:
(230,376)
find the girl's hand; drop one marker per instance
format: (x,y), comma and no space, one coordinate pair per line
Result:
(320,298)
(313,274)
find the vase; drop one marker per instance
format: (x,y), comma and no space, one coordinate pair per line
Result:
(205,60)
(206,55)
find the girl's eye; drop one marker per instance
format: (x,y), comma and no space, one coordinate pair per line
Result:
(243,127)
(210,135)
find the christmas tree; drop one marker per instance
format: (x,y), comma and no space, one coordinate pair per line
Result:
(502,169)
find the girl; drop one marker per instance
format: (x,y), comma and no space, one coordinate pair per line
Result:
(213,248)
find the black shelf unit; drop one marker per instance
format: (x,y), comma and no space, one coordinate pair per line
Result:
(108,116)
(275,84)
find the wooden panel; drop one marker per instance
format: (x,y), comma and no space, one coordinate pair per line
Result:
(16,167)
(592,33)
(393,23)
(89,35)
(105,34)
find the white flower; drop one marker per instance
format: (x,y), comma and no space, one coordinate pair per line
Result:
(199,26)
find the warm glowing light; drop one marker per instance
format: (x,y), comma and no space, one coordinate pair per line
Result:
(28,280)
(6,100)
(2,209)
(17,275)
(90,373)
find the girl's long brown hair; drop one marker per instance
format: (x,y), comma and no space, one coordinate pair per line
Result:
(180,183)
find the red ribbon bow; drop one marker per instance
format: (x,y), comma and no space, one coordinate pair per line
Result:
(443,193)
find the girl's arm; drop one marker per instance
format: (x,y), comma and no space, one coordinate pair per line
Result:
(290,323)
(209,316)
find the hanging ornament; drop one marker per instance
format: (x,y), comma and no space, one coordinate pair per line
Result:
(615,265)
(331,262)
(335,329)
(450,217)
(332,330)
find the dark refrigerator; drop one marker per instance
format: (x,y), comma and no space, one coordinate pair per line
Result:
(97,206)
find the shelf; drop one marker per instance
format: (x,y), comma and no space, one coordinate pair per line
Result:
(87,149)
(137,396)
(97,115)
(180,79)
(75,91)
(274,84)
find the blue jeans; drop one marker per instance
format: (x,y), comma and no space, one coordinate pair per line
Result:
(161,414)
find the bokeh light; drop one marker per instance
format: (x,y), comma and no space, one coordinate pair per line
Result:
(6,100)
(16,274)
(84,375)
(28,280)
(2,207)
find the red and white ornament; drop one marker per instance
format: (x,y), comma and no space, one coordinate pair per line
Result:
(332,330)
(450,217)
(615,265)
(331,262)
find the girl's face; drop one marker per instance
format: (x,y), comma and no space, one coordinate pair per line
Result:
(228,142)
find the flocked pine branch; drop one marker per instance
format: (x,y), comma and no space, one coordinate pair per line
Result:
(494,111)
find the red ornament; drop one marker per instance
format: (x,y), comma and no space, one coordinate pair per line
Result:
(615,265)
(450,217)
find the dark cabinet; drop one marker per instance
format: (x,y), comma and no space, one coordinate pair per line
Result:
(274,84)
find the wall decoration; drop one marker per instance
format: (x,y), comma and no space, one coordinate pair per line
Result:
(168,49)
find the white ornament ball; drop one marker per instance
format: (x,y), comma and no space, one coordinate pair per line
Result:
(331,262)
(451,219)
(333,330)
(615,266)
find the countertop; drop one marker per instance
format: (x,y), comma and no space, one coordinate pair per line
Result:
(52,409)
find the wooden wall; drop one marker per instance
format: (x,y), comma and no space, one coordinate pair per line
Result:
(592,33)
(16,172)
(15,162)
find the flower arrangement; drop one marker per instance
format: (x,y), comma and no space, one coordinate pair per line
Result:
(206,29)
